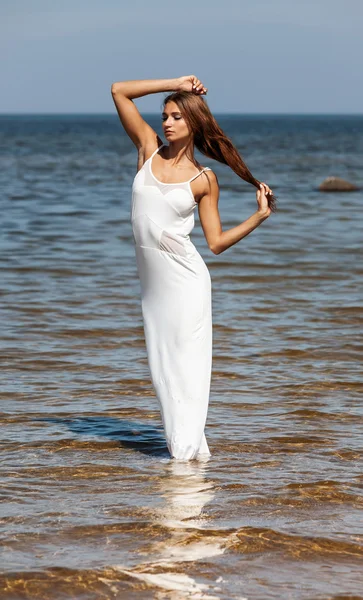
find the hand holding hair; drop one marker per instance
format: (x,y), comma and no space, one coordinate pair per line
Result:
(191,83)
(262,200)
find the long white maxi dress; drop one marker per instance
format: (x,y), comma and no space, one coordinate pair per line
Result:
(176,308)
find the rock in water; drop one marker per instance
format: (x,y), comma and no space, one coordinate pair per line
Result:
(336,184)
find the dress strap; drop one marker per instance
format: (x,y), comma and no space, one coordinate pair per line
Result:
(200,172)
(157,150)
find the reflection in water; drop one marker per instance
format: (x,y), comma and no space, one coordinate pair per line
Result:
(185,491)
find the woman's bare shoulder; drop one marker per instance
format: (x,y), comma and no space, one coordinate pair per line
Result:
(205,185)
(209,178)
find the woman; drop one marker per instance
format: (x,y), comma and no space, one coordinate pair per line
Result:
(175,281)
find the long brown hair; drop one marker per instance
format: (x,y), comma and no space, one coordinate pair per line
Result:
(209,138)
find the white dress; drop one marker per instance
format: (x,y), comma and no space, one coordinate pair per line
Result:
(176,308)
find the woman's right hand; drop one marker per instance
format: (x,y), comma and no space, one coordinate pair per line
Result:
(191,83)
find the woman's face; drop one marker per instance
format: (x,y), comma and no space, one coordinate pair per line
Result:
(174,126)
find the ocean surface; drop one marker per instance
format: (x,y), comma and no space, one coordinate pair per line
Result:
(92,507)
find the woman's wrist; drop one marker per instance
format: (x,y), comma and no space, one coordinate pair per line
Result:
(171,85)
(262,214)
(177,83)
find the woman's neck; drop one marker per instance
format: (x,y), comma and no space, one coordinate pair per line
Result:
(176,153)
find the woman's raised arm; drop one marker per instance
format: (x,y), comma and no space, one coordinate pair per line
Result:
(123,92)
(135,126)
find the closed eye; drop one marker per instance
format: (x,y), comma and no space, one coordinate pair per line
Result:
(177,116)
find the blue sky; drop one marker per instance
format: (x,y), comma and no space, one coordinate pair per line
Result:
(255,56)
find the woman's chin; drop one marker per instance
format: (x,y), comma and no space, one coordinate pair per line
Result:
(171,137)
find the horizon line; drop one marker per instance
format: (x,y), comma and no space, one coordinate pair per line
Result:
(19,114)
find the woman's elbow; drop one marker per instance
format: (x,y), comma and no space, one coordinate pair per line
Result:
(216,249)
(215,243)
(116,87)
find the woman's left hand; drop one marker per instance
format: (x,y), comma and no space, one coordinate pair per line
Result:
(262,199)
(268,190)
